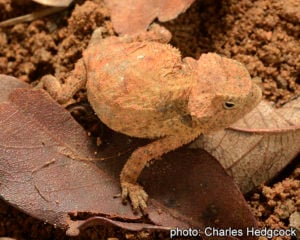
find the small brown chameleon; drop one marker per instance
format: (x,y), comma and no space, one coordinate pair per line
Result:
(143,88)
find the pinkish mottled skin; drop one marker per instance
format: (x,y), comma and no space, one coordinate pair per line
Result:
(143,88)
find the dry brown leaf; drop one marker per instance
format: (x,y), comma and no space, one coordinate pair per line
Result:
(54,3)
(259,146)
(133,16)
(42,180)
(55,6)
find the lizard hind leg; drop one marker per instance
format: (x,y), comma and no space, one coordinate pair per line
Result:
(155,33)
(51,84)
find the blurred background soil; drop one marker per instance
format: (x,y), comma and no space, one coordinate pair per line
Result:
(263,34)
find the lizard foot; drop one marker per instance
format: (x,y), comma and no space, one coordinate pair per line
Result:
(51,84)
(136,194)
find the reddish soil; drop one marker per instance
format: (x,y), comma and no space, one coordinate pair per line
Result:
(262,34)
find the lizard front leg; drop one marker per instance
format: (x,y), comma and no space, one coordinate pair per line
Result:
(138,160)
(64,92)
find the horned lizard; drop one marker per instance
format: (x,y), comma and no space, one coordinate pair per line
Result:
(140,86)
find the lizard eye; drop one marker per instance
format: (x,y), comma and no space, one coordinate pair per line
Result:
(229,105)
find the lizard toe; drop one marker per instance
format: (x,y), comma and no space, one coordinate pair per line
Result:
(138,197)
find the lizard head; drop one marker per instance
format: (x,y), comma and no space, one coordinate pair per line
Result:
(223,92)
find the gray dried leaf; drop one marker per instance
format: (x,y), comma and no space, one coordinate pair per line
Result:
(259,146)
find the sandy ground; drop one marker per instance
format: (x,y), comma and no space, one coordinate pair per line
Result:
(262,34)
